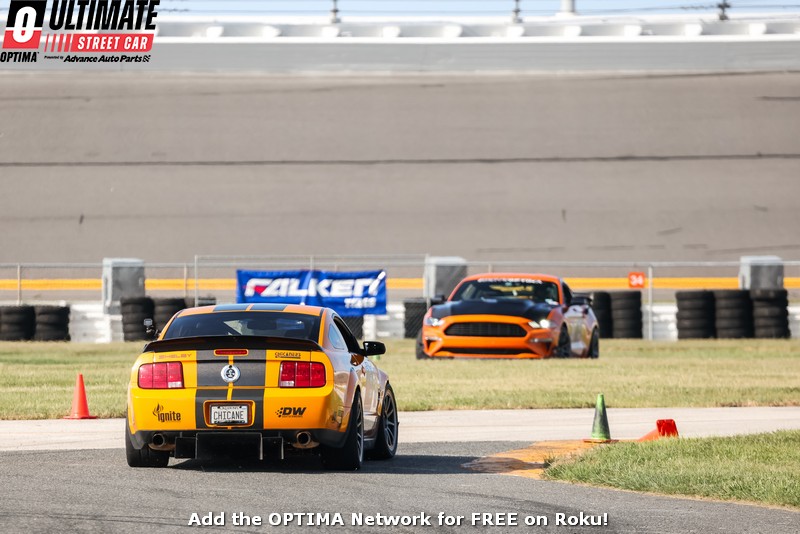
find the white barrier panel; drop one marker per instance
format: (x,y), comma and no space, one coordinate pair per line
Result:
(577,44)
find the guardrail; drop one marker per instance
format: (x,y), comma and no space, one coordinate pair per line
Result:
(32,283)
(40,282)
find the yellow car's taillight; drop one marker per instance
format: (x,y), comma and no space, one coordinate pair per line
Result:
(167,375)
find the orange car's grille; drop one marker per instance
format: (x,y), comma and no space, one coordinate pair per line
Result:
(501,352)
(485,330)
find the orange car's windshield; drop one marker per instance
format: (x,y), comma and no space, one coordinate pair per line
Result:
(517,288)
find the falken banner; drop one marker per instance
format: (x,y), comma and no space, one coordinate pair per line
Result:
(351,294)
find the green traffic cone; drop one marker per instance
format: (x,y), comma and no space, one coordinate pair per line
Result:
(600,426)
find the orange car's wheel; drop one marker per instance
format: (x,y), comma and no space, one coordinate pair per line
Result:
(594,345)
(351,455)
(564,347)
(420,350)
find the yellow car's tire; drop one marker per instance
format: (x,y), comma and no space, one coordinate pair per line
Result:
(144,457)
(386,441)
(351,455)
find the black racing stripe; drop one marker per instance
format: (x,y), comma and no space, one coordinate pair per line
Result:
(209,369)
(252,373)
(255,395)
(230,307)
(203,395)
(268,307)
(252,369)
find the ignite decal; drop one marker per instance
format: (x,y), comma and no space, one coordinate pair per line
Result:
(164,415)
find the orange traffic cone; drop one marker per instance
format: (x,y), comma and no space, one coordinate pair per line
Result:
(665,428)
(80,408)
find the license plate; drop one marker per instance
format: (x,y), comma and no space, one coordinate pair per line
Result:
(229,414)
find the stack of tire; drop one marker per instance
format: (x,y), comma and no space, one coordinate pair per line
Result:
(164,309)
(17,323)
(414,313)
(626,314)
(696,315)
(52,323)
(134,311)
(770,313)
(601,305)
(208,300)
(733,314)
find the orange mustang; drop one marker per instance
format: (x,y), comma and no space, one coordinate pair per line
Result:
(508,315)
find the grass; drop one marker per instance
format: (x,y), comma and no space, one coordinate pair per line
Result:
(37,379)
(763,468)
(633,374)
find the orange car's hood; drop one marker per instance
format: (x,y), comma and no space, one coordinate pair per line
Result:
(513,307)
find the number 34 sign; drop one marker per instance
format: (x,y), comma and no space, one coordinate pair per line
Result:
(636,280)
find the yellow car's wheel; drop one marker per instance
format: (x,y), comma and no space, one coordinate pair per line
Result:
(386,444)
(144,457)
(351,455)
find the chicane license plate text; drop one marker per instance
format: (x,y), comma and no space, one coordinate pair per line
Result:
(229,414)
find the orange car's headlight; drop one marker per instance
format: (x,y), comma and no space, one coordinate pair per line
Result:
(543,323)
(433,321)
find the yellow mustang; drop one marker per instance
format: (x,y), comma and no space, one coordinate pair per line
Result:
(246,379)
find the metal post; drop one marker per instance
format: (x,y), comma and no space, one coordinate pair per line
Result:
(335,13)
(515,18)
(425,280)
(196,288)
(567,7)
(19,285)
(723,8)
(186,282)
(650,302)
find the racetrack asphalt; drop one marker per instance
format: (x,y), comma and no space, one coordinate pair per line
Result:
(165,166)
(71,475)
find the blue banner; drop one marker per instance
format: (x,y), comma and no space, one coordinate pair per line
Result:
(350,294)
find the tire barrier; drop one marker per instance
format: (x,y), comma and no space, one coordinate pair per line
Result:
(164,309)
(626,314)
(601,305)
(695,318)
(17,323)
(52,323)
(356,326)
(733,314)
(208,300)
(770,313)
(414,313)
(134,311)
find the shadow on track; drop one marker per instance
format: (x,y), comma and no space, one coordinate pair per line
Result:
(411,464)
